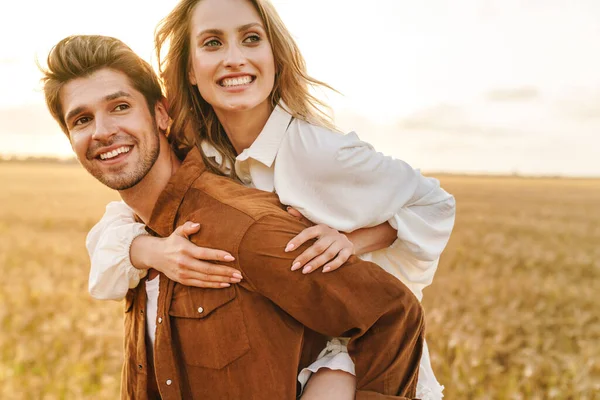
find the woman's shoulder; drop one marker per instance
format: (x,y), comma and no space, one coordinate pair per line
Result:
(313,143)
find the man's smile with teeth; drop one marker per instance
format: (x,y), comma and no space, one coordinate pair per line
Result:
(237,81)
(112,154)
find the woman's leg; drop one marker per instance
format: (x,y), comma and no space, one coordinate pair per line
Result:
(327,384)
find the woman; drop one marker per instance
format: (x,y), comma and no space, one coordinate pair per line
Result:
(238,89)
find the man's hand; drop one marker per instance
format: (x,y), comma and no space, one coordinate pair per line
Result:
(182,261)
(331,250)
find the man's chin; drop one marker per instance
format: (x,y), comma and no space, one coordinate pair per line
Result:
(116,180)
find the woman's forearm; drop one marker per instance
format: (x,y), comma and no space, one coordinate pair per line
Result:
(378,237)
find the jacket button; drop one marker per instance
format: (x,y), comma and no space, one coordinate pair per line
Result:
(169,382)
(200,310)
(160,320)
(140,366)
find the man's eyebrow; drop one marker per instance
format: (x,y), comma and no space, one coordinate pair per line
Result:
(110,97)
(116,95)
(73,113)
(220,32)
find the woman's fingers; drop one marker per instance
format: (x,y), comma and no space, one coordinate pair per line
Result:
(328,256)
(295,213)
(189,248)
(341,258)
(187,229)
(192,270)
(205,253)
(318,248)
(304,236)
(198,266)
(204,284)
(332,249)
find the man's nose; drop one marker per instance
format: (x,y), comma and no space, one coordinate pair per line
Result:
(235,56)
(105,128)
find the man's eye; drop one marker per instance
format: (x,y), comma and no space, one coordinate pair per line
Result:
(212,43)
(82,120)
(121,107)
(252,39)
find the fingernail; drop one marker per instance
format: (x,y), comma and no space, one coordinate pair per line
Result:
(326,269)
(225,285)
(288,208)
(307,269)
(228,258)
(237,275)
(195,225)
(296,266)
(235,280)
(289,247)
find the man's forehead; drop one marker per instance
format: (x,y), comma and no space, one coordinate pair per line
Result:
(101,86)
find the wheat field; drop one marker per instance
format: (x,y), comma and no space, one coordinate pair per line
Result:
(513,312)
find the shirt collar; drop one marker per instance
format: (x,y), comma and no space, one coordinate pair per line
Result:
(266,145)
(162,220)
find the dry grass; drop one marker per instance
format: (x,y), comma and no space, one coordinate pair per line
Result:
(513,312)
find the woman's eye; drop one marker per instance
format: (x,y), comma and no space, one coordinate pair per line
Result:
(252,39)
(212,43)
(82,121)
(121,107)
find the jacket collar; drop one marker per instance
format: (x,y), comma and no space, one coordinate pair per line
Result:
(163,215)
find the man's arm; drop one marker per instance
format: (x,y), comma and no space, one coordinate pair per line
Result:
(362,301)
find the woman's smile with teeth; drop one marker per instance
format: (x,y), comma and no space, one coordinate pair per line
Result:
(112,154)
(237,81)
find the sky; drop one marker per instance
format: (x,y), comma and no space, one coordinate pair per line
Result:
(473,86)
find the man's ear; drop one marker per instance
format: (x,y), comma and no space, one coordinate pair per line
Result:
(160,112)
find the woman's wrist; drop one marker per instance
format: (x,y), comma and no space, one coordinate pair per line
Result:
(366,240)
(141,250)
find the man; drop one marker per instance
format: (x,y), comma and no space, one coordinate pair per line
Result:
(250,340)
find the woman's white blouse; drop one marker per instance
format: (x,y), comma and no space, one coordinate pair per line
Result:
(334,179)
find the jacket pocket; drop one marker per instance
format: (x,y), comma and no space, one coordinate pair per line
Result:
(208,325)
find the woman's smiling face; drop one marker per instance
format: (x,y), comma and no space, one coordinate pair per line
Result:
(231,57)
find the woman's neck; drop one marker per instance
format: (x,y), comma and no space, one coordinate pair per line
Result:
(243,127)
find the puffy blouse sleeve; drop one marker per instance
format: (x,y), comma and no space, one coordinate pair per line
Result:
(341,181)
(108,243)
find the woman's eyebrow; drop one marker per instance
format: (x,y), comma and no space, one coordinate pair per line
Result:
(211,31)
(248,26)
(214,31)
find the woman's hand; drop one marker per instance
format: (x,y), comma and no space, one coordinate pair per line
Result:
(182,261)
(331,250)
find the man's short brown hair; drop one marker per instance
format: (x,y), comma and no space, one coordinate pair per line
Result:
(81,55)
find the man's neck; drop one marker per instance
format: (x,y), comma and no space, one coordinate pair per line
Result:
(143,196)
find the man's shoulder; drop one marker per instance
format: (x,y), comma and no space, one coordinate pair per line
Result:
(222,194)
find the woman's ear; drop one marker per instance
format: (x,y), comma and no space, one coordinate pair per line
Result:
(192,77)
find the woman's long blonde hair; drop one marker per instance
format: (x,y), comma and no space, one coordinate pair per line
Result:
(194,120)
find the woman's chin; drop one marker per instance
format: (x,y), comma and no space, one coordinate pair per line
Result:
(237,106)
(241,105)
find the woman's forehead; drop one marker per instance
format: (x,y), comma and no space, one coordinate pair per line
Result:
(223,15)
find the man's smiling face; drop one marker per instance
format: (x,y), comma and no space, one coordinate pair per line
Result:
(111,128)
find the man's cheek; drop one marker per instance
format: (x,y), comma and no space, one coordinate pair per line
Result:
(79,148)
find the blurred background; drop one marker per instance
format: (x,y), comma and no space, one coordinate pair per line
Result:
(498,99)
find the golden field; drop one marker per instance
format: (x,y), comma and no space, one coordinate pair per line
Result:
(514,311)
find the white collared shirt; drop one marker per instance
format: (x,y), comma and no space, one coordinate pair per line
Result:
(342,182)
(331,178)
